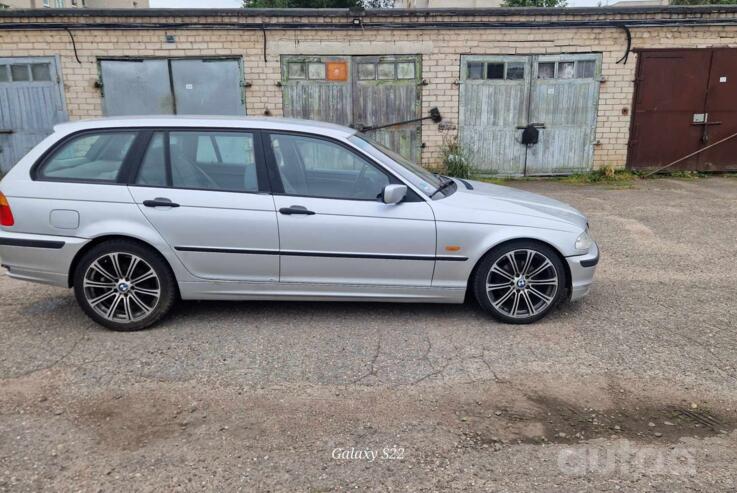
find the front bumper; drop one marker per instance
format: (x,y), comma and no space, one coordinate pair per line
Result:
(582,269)
(39,258)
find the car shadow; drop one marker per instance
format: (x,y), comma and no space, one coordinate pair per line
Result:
(265,309)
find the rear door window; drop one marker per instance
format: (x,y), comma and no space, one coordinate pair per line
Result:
(89,157)
(200,160)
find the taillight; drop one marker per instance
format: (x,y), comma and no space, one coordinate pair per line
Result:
(6,215)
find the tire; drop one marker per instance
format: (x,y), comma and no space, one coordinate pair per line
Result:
(142,295)
(524,295)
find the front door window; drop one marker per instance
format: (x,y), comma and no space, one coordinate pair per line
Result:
(314,167)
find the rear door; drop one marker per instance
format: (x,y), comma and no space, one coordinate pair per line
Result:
(206,193)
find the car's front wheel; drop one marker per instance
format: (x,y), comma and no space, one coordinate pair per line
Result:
(124,286)
(520,282)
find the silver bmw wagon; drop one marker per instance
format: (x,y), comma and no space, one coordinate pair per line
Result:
(136,213)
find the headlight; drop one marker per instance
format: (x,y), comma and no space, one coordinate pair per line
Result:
(584,241)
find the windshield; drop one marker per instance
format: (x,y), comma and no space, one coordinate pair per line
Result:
(417,175)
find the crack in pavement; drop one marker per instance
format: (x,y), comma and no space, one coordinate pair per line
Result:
(372,364)
(53,363)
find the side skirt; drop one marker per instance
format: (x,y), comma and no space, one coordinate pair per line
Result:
(237,290)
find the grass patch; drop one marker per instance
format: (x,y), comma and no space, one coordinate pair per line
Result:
(456,160)
(684,175)
(491,179)
(606,175)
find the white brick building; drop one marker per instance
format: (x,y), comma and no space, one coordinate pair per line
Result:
(426,58)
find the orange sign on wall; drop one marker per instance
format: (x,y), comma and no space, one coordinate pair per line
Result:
(336,70)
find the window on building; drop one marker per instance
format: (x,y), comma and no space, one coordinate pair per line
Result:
(406,70)
(496,70)
(41,72)
(567,69)
(26,72)
(296,70)
(546,70)
(20,72)
(515,71)
(386,71)
(316,71)
(366,71)
(585,69)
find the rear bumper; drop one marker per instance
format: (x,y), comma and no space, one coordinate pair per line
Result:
(582,269)
(39,258)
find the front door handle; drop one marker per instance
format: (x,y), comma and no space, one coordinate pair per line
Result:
(296,209)
(160,202)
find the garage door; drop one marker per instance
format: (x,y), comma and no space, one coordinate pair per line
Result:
(174,86)
(31,103)
(684,101)
(555,94)
(358,91)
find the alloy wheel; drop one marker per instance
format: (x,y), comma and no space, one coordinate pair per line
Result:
(522,283)
(121,287)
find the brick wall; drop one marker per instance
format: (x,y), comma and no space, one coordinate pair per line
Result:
(440,49)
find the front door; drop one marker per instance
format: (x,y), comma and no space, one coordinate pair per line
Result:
(206,194)
(555,94)
(333,227)
(31,103)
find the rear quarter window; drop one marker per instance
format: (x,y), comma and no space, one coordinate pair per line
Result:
(94,156)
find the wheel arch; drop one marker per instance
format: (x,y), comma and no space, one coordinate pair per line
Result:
(469,287)
(105,238)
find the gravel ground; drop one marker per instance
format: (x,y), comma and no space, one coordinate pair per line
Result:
(632,388)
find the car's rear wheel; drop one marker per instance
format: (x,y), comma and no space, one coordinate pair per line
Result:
(520,282)
(124,286)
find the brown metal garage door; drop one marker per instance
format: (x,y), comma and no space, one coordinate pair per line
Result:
(684,101)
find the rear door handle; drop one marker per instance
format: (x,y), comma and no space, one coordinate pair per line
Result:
(296,209)
(160,202)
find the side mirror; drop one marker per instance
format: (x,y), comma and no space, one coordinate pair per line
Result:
(393,194)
